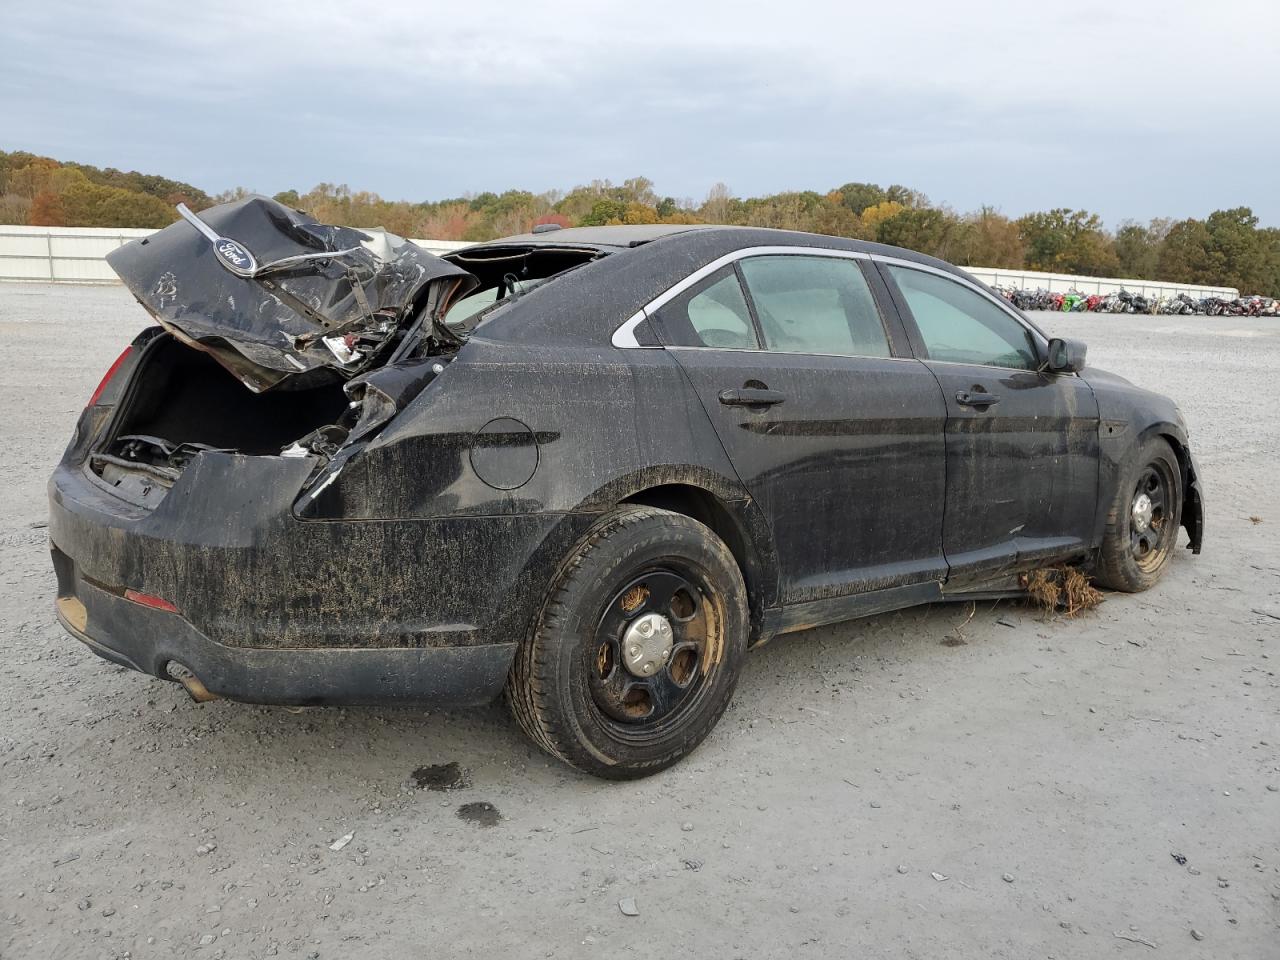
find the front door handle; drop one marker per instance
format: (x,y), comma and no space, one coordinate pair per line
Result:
(750,397)
(980,400)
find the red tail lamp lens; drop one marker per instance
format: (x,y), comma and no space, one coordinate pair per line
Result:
(150,600)
(111,372)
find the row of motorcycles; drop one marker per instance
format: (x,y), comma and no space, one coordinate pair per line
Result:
(1126,302)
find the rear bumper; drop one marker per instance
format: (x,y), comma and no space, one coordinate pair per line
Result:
(272,609)
(150,641)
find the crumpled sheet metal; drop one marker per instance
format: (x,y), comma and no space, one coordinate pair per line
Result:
(270,329)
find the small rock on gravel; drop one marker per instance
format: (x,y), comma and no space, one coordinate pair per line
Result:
(1196,934)
(628,907)
(1007,877)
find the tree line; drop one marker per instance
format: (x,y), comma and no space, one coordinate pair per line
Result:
(1227,248)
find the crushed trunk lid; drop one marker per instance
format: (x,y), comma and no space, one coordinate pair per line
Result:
(275,296)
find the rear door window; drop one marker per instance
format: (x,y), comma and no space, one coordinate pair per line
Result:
(820,305)
(713,313)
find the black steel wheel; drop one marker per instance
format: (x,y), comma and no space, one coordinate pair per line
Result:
(656,643)
(1143,521)
(1151,535)
(637,649)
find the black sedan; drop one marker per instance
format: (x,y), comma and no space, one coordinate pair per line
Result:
(591,467)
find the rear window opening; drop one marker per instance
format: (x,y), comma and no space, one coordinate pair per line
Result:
(505,274)
(182,402)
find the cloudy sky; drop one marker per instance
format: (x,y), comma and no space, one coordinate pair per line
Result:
(1132,108)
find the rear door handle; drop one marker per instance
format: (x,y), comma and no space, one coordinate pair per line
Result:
(967,399)
(750,397)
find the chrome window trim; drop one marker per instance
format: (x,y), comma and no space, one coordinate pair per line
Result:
(625,337)
(794,353)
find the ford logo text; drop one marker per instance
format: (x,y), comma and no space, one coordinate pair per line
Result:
(235,257)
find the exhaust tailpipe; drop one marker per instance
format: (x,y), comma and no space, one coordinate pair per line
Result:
(190,682)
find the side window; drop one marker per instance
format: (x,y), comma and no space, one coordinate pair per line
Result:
(713,313)
(961,326)
(814,305)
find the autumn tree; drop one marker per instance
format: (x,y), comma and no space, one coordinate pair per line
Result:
(1184,255)
(1229,247)
(1241,249)
(1138,248)
(988,238)
(1068,241)
(45,210)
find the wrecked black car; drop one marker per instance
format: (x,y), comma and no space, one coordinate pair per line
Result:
(589,466)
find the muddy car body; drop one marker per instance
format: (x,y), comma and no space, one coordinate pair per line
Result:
(637,452)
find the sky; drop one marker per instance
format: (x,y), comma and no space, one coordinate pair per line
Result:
(1130,109)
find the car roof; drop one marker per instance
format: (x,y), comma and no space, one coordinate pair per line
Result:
(618,235)
(586,304)
(687,236)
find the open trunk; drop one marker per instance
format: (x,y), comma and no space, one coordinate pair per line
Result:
(284,301)
(181,402)
(291,338)
(282,337)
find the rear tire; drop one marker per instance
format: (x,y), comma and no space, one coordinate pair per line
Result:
(1143,520)
(636,651)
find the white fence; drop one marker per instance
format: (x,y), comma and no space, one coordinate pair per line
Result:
(1066,283)
(77,254)
(73,254)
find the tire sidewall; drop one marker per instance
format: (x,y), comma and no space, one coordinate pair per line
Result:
(584,594)
(1123,571)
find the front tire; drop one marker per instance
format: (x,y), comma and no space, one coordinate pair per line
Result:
(636,651)
(1143,521)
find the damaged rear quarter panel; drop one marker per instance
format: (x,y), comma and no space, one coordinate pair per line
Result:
(608,425)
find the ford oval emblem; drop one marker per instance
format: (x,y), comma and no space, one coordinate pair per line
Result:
(235,257)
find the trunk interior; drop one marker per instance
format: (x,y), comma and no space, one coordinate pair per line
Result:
(185,396)
(181,401)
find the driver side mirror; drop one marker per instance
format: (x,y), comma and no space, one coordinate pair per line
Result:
(1065,356)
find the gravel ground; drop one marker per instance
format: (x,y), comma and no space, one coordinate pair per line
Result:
(872,792)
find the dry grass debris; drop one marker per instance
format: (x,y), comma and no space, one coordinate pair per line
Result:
(1061,588)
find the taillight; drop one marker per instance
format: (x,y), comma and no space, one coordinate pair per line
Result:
(150,600)
(111,372)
